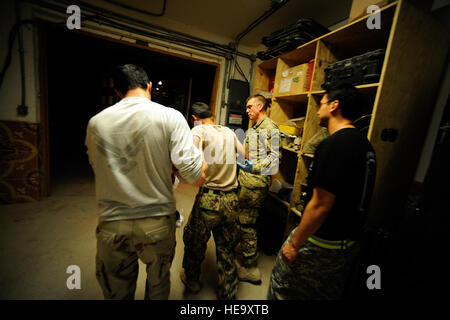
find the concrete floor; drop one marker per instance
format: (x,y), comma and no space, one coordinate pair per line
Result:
(40,240)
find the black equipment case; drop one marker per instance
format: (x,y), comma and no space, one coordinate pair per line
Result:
(362,69)
(281,47)
(290,37)
(306,29)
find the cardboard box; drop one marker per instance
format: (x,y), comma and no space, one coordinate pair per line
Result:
(359,8)
(294,80)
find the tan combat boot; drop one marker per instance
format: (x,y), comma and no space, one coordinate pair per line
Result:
(249,274)
(193,286)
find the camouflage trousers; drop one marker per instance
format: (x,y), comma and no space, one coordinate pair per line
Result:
(119,246)
(250,201)
(317,274)
(214,213)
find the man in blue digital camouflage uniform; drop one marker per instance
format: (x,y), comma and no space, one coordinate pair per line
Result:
(314,260)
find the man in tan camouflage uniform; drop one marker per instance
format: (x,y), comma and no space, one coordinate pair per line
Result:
(255,177)
(215,206)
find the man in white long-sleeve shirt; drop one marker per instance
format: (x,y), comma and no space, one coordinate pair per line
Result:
(132,147)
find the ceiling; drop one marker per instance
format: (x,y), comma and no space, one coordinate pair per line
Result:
(222,20)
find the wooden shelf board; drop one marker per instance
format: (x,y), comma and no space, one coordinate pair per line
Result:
(353,36)
(296,211)
(273,195)
(301,97)
(356,38)
(368,88)
(301,54)
(290,149)
(269,64)
(309,155)
(389,8)
(364,88)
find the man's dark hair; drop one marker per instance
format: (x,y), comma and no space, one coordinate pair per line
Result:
(129,76)
(260,98)
(350,99)
(201,110)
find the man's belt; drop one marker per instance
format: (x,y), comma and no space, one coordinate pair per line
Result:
(329,244)
(208,190)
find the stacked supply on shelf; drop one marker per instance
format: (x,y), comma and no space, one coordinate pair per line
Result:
(291,133)
(362,69)
(296,79)
(290,37)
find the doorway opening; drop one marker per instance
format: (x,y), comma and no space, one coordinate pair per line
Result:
(79,86)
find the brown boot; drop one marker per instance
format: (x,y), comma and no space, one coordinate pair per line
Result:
(193,286)
(249,274)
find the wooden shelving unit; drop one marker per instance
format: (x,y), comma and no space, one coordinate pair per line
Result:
(275,196)
(295,211)
(309,155)
(301,97)
(401,100)
(290,149)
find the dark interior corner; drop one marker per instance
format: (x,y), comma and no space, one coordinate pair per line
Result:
(79,86)
(409,247)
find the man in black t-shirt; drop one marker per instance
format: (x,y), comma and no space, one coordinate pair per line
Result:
(313,261)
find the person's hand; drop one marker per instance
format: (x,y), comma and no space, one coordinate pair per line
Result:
(289,253)
(247,167)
